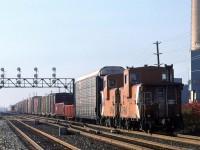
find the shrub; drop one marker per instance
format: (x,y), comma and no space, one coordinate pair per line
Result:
(191,117)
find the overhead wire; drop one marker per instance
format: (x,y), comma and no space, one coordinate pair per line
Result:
(145,55)
(177,37)
(140,55)
(177,49)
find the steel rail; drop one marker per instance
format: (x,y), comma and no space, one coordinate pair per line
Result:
(104,139)
(87,128)
(145,142)
(188,137)
(52,137)
(35,145)
(162,137)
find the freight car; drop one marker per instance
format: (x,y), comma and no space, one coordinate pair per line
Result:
(148,98)
(37,105)
(88,93)
(64,111)
(143,98)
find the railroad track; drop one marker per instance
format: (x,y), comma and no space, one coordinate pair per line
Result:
(181,140)
(155,140)
(54,131)
(38,139)
(113,142)
(119,140)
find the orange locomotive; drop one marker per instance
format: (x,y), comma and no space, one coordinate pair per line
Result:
(144,98)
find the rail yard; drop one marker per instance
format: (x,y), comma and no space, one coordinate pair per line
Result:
(111,108)
(45,133)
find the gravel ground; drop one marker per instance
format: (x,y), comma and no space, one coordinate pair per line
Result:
(82,142)
(173,143)
(8,139)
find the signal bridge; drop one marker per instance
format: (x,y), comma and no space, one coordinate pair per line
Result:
(67,83)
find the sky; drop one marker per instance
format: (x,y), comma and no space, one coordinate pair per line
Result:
(81,36)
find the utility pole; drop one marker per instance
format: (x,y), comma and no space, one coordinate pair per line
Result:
(157,46)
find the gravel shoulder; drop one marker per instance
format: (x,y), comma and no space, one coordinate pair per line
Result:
(8,139)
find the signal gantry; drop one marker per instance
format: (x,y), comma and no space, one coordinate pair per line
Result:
(36,82)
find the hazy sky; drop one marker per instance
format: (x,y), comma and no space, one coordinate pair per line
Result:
(81,36)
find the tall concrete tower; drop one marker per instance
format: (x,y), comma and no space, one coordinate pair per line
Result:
(195,51)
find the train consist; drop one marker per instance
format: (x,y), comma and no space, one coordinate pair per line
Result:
(52,105)
(143,98)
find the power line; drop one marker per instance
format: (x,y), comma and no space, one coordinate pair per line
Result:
(140,56)
(178,37)
(177,49)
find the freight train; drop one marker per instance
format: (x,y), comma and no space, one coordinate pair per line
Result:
(133,98)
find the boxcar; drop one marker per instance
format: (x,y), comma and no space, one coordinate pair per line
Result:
(64,111)
(65,98)
(59,109)
(87,93)
(25,106)
(37,105)
(43,106)
(69,111)
(47,105)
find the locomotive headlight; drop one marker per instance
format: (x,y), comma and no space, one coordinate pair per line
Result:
(177,115)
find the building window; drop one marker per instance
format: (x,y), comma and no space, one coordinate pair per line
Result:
(134,77)
(147,97)
(125,79)
(112,82)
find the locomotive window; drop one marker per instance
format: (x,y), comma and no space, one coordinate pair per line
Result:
(134,77)
(126,79)
(164,76)
(104,84)
(112,82)
(147,97)
(160,92)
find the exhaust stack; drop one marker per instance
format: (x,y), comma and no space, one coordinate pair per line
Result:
(195,25)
